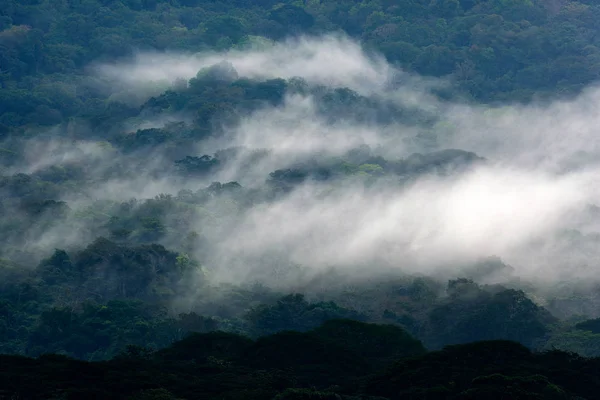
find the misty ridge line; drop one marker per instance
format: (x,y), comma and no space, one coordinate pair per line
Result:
(505,132)
(334,60)
(540,175)
(338,61)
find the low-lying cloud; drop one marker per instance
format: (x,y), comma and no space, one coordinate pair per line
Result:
(429,227)
(537,184)
(333,61)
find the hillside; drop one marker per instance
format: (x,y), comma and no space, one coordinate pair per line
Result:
(176,174)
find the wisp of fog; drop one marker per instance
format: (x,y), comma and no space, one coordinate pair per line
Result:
(538,181)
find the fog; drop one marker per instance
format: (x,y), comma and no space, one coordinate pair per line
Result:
(427,228)
(535,188)
(332,60)
(557,137)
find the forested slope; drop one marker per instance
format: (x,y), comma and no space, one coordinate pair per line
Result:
(494,50)
(340,360)
(252,168)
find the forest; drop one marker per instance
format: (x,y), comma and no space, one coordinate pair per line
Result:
(299,199)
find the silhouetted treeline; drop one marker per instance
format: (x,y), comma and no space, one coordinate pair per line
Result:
(341,359)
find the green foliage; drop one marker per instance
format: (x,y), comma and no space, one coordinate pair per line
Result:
(124,292)
(475,314)
(495,50)
(577,341)
(154,394)
(498,386)
(379,344)
(592,325)
(306,394)
(202,347)
(300,366)
(293,312)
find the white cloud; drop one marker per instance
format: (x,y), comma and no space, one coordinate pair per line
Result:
(541,175)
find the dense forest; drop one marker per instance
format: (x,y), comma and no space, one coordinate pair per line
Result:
(341,359)
(299,199)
